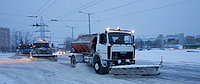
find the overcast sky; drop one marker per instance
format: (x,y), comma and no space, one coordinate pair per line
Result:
(147,17)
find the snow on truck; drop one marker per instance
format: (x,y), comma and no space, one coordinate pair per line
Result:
(110,52)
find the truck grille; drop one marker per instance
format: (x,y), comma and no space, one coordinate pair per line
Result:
(122,55)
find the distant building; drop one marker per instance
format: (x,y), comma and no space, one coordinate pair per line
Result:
(168,41)
(191,46)
(161,38)
(149,43)
(172,41)
(139,43)
(177,41)
(4,38)
(198,39)
(190,40)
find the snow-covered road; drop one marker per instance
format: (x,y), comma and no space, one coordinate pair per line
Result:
(179,67)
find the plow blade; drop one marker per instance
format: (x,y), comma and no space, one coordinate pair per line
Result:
(45,56)
(22,55)
(144,70)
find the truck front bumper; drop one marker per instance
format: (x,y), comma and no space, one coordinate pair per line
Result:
(108,62)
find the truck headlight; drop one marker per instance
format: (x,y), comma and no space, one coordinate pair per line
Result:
(127,60)
(119,61)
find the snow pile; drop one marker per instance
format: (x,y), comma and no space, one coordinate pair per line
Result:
(179,67)
(6,55)
(175,56)
(54,73)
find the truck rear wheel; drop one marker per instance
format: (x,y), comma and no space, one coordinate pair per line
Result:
(99,68)
(55,58)
(73,61)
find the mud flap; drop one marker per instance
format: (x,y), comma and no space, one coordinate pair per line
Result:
(144,70)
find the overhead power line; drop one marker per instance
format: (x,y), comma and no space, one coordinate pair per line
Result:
(3,13)
(47,7)
(15,15)
(72,31)
(42,7)
(85,6)
(151,9)
(124,5)
(14,22)
(92,4)
(89,16)
(73,20)
(72,11)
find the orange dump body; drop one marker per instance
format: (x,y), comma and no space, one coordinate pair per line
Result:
(83,43)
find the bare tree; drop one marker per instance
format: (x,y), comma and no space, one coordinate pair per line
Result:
(67,43)
(4,49)
(27,37)
(139,43)
(19,37)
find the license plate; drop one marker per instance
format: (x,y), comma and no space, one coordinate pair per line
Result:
(122,52)
(123,55)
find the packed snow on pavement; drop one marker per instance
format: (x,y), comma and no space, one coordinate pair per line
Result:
(179,66)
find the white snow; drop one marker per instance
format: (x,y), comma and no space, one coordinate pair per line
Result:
(175,56)
(179,67)
(5,80)
(6,55)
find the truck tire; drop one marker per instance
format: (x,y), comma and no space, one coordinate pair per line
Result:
(73,61)
(55,58)
(99,68)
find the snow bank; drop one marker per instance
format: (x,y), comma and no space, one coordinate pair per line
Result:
(60,72)
(54,73)
(175,56)
(6,55)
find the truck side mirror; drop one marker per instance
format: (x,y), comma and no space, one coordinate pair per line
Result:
(133,38)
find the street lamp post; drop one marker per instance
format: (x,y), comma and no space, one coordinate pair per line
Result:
(89,14)
(72,31)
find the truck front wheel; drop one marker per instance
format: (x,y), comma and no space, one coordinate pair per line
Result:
(99,68)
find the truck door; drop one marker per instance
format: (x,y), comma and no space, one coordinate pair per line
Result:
(101,46)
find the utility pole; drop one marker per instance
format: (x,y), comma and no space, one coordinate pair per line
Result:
(89,14)
(89,22)
(72,31)
(42,29)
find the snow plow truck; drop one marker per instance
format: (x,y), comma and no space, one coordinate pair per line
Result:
(110,52)
(42,49)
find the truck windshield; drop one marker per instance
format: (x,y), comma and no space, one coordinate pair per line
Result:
(43,51)
(39,45)
(120,38)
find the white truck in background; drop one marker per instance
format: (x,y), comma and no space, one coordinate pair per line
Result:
(110,52)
